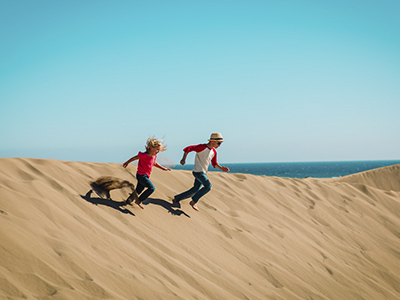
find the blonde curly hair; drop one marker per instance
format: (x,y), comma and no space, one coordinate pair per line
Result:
(155,143)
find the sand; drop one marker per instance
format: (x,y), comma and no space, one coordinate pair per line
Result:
(254,237)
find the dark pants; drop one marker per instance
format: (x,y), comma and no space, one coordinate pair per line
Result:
(144,181)
(197,191)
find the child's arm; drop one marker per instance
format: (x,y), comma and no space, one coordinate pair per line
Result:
(125,164)
(216,165)
(183,160)
(156,164)
(188,149)
(222,168)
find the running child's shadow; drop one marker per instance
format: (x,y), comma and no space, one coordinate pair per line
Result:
(118,205)
(167,205)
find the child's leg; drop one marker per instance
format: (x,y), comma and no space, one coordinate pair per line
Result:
(202,177)
(189,193)
(145,182)
(139,186)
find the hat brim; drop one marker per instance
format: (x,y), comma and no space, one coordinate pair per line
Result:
(216,140)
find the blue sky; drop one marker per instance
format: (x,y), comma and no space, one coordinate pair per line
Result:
(283,81)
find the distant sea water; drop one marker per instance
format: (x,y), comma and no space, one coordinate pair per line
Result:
(302,169)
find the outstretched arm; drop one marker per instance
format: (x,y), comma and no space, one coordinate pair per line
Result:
(222,168)
(186,150)
(156,164)
(125,164)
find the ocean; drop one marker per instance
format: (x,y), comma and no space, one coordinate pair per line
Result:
(301,169)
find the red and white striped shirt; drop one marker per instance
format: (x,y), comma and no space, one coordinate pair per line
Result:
(204,156)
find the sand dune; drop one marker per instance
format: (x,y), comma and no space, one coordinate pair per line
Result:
(254,237)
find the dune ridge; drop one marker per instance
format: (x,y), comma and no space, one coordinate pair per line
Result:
(255,237)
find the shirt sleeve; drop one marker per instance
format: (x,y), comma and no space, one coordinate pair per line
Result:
(214,159)
(197,148)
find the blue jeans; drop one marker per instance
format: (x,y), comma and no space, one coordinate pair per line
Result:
(196,192)
(144,181)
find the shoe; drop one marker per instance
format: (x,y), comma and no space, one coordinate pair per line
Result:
(130,199)
(175,203)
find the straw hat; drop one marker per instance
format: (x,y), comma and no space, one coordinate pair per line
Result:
(216,136)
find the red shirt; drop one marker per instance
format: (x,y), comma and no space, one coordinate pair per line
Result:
(145,164)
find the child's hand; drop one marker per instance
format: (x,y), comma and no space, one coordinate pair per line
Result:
(225,169)
(125,164)
(183,161)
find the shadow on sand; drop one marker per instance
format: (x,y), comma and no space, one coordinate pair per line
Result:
(165,204)
(118,205)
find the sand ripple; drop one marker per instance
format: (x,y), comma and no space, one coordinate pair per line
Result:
(255,237)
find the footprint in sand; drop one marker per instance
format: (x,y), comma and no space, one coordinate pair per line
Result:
(312,204)
(209,206)
(232,213)
(224,230)
(329,270)
(36,284)
(275,282)
(241,177)
(11,290)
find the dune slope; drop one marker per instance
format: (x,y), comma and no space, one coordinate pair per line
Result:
(254,237)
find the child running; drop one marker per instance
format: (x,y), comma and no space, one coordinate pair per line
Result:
(205,153)
(145,165)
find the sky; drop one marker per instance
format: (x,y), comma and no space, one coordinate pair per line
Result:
(282,80)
